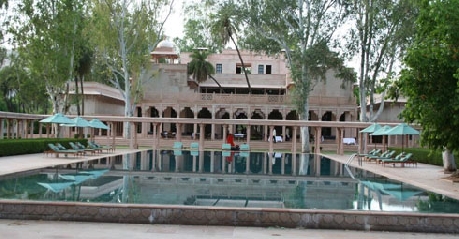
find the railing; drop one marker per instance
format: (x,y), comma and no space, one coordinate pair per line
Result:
(217,98)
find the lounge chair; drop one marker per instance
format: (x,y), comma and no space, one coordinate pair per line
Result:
(372,152)
(94,145)
(194,153)
(177,145)
(244,147)
(386,155)
(83,149)
(58,150)
(96,150)
(226,146)
(406,159)
(194,145)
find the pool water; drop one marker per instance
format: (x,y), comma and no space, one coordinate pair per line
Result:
(223,179)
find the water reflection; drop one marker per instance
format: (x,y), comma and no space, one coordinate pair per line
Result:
(228,162)
(228,178)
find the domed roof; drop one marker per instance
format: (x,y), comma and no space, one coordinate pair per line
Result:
(164,49)
(166,44)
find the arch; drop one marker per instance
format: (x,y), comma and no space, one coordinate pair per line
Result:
(187,129)
(327,131)
(169,112)
(313,115)
(276,115)
(204,113)
(258,114)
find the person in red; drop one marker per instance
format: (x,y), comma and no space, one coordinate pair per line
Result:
(230,140)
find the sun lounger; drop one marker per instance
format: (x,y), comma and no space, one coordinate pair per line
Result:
(94,145)
(84,150)
(244,147)
(177,145)
(402,161)
(58,150)
(194,145)
(226,146)
(386,155)
(81,146)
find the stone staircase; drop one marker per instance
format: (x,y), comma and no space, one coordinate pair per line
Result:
(328,145)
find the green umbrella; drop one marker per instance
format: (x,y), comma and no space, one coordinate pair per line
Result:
(78,122)
(383,131)
(372,128)
(58,119)
(402,129)
(96,123)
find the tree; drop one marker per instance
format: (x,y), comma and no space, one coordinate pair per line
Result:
(303,29)
(201,69)
(46,34)
(197,29)
(382,30)
(224,26)
(430,80)
(124,32)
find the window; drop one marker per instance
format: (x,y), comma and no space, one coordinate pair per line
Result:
(268,69)
(247,67)
(219,68)
(261,69)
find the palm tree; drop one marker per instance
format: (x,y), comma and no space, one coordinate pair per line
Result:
(224,25)
(200,68)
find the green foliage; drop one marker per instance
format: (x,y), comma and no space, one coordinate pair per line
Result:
(430,80)
(10,147)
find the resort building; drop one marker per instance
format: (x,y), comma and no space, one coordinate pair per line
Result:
(171,92)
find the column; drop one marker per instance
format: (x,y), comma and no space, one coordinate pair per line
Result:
(249,133)
(271,141)
(283,133)
(201,137)
(212,126)
(2,132)
(294,139)
(178,134)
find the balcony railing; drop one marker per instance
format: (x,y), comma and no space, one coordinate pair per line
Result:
(216,98)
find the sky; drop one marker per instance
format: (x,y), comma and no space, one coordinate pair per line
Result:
(174,24)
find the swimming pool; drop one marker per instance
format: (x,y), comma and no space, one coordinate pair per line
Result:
(224,179)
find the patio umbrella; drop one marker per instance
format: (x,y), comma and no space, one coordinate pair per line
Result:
(56,187)
(371,129)
(58,119)
(402,129)
(78,122)
(96,123)
(383,131)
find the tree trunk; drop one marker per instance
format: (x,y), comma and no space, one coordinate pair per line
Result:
(242,62)
(449,164)
(82,94)
(220,86)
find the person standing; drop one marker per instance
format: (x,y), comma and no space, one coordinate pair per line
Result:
(274,135)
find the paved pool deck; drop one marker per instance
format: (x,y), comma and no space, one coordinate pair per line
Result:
(428,177)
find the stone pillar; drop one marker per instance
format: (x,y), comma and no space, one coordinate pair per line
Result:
(318,139)
(155,136)
(2,126)
(283,133)
(212,127)
(225,129)
(145,125)
(178,134)
(270,137)
(249,133)
(201,137)
(294,140)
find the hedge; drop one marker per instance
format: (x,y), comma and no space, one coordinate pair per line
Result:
(9,147)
